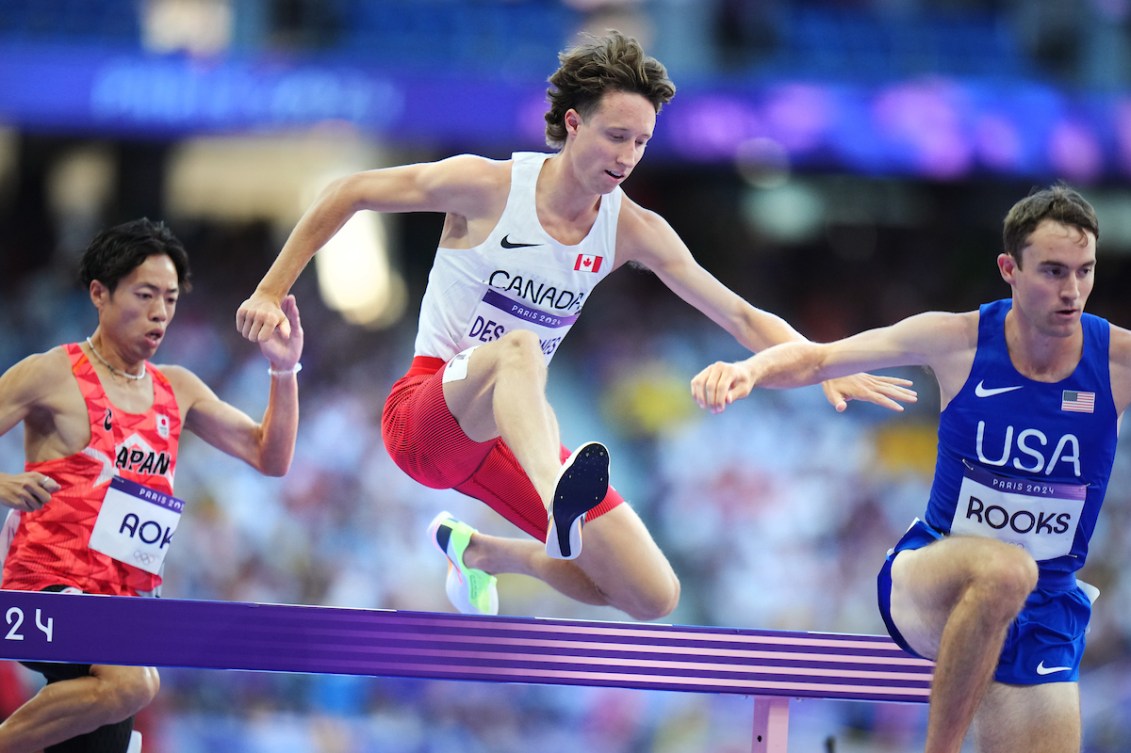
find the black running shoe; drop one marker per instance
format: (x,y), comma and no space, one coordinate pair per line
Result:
(582,483)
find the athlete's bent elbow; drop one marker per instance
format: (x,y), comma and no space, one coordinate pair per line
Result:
(276,469)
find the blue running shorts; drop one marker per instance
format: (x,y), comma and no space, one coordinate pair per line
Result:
(1046,641)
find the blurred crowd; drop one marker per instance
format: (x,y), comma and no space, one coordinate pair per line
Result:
(776,514)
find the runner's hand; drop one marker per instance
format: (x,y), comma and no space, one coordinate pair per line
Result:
(284,348)
(259,316)
(720,384)
(27,491)
(884,391)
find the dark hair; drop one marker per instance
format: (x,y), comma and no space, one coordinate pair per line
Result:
(613,62)
(1059,203)
(119,250)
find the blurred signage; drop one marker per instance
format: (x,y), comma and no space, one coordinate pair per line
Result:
(936,128)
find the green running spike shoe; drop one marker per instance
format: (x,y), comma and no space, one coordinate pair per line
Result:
(471,591)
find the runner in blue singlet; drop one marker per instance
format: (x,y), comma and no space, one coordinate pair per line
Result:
(1032,390)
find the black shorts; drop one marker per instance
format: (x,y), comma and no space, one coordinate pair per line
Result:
(111,738)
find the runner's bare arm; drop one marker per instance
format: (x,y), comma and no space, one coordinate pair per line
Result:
(649,240)
(940,341)
(1121,368)
(267,445)
(458,186)
(23,390)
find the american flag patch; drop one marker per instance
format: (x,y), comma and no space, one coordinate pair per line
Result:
(1078,402)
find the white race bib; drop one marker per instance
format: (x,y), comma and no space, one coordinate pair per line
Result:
(136,524)
(497,314)
(1040,516)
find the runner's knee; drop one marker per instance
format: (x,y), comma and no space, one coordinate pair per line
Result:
(666,601)
(1005,577)
(123,692)
(655,599)
(521,349)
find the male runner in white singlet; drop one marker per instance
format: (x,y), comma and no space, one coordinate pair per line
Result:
(524,242)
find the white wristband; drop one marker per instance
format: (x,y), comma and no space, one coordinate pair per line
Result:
(285,372)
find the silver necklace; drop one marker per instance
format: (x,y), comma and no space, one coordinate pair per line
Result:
(113,369)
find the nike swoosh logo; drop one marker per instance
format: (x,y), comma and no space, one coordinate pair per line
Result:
(982,391)
(508,243)
(1043,670)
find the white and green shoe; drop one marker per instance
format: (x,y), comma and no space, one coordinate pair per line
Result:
(471,591)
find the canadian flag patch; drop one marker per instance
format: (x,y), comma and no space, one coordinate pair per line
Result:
(587,263)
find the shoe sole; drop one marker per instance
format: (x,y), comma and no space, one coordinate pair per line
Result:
(433,529)
(582,484)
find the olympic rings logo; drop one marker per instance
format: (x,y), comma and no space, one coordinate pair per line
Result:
(144,558)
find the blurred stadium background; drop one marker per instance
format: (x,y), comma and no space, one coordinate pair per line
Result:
(843,164)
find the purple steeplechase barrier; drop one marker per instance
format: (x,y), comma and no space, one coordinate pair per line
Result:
(772,666)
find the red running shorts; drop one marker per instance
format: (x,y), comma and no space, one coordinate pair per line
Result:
(425,441)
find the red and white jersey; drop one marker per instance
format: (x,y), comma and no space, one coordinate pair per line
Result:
(50,545)
(519,277)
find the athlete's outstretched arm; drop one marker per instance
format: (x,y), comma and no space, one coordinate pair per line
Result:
(452,186)
(925,339)
(648,239)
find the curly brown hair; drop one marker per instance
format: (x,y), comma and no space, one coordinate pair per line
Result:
(613,62)
(1059,203)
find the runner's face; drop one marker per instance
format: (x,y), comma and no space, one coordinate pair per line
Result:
(608,144)
(1055,278)
(138,312)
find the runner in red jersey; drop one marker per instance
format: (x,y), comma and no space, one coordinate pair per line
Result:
(49,545)
(94,509)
